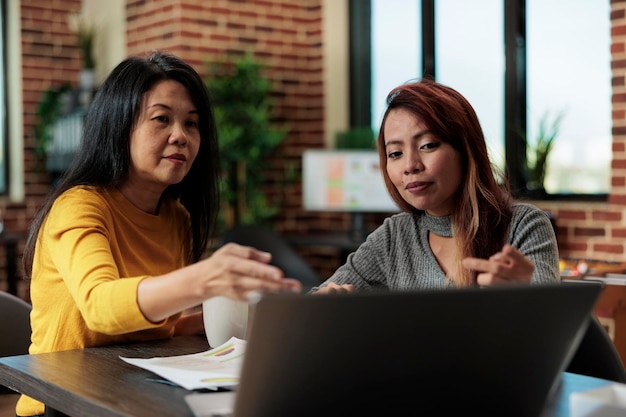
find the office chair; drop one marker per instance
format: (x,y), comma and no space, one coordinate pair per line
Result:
(14,325)
(597,355)
(284,256)
(15,330)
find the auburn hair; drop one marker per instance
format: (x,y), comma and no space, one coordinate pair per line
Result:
(482,213)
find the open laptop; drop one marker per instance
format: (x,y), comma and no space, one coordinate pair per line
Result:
(489,351)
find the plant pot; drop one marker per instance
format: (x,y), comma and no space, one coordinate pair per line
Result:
(87,83)
(87,79)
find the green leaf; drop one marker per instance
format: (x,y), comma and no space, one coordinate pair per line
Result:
(247,135)
(538,150)
(47,112)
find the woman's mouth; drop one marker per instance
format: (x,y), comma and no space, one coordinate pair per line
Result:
(176,158)
(417,186)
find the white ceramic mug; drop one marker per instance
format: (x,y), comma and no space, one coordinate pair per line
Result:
(224,318)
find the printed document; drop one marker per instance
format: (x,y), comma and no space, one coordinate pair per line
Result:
(215,368)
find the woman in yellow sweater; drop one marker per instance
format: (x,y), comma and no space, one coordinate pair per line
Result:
(115,254)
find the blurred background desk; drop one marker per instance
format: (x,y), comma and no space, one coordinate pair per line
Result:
(610,308)
(343,242)
(611,311)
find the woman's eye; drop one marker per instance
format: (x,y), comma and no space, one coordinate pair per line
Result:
(430,145)
(160,118)
(394,154)
(192,123)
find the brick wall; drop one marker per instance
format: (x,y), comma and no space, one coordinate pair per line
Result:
(287,35)
(49,57)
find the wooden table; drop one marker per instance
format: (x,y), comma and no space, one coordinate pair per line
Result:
(95,382)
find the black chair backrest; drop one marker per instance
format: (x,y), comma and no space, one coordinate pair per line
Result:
(14,325)
(597,355)
(284,256)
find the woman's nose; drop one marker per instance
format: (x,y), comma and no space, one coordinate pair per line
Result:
(413,164)
(178,135)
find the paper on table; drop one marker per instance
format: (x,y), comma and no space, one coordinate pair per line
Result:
(215,368)
(607,401)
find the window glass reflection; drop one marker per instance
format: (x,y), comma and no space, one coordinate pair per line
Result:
(469,53)
(396,49)
(569,73)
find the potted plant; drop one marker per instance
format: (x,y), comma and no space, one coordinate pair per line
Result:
(356,138)
(81,25)
(247,137)
(537,153)
(48,112)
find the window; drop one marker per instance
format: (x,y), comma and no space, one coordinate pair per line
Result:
(470,59)
(516,62)
(569,75)
(396,50)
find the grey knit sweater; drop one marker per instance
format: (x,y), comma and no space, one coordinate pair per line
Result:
(397,255)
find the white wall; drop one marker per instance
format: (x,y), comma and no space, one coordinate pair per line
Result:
(336,68)
(14,102)
(109,18)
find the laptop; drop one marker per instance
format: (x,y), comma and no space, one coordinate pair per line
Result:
(484,351)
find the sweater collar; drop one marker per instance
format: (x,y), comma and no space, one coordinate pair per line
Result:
(439,225)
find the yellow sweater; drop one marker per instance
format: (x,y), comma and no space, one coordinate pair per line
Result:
(92,252)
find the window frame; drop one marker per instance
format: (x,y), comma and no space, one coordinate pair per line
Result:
(4,114)
(514,89)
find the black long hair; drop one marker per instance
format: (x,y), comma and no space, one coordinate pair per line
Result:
(104,156)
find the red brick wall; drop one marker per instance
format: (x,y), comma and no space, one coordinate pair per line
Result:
(49,57)
(287,35)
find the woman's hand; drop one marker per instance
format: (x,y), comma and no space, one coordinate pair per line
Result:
(234,271)
(238,272)
(333,288)
(508,265)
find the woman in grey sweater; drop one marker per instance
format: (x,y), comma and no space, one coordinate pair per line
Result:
(458,225)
